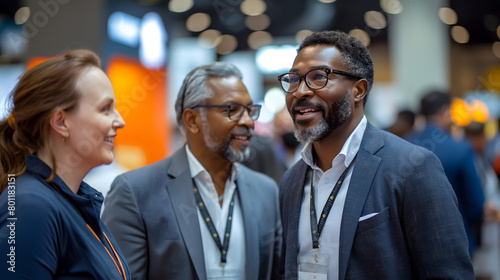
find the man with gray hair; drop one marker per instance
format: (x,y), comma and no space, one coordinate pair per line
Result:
(199,214)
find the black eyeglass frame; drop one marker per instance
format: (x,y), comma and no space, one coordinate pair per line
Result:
(328,72)
(247,108)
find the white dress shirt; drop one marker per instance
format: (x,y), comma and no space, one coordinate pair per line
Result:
(323,185)
(235,265)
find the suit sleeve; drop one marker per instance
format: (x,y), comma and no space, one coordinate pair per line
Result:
(278,244)
(432,224)
(123,218)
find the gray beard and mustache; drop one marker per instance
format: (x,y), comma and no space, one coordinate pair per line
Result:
(225,149)
(339,112)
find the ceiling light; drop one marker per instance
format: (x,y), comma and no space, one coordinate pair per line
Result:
(496,49)
(209,38)
(22,15)
(198,22)
(180,6)
(375,20)
(448,15)
(259,39)
(361,35)
(301,35)
(228,43)
(253,7)
(460,34)
(391,6)
(259,22)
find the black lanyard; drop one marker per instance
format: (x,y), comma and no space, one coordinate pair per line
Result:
(211,227)
(317,227)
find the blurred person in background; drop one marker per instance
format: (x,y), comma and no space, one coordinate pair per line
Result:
(487,254)
(200,214)
(62,124)
(263,159)
(361,203)
(457,158)
(403,125)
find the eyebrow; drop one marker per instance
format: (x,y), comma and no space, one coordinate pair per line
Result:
(236,103)
(294,70)
(106,100)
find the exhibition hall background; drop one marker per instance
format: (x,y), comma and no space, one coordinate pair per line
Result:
(148,46)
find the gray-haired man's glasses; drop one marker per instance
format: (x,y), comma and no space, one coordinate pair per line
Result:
(235,111)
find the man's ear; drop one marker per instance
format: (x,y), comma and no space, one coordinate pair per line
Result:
(58,123)
(192,120)
(360,90)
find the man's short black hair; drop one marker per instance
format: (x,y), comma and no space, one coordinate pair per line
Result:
(355,56)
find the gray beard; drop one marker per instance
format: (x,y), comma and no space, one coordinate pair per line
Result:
(224,149)
(340,111)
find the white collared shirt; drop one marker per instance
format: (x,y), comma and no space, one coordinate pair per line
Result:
(323,185)
(235,265)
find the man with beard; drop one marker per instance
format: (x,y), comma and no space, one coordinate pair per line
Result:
(199,214)
(362,203)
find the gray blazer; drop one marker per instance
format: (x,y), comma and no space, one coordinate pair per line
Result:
(417,231)
(152,214)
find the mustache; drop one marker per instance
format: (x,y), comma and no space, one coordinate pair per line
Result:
(242,130)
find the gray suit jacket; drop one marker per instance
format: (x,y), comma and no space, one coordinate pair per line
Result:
(152,214)
(417,232)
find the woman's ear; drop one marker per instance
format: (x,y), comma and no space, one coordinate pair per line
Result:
(360,90)
(58,123)
(192,120)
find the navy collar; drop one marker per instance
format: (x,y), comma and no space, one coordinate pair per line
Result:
(88,200)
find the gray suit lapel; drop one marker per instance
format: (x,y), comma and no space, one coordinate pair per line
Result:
(364,171)
(245,196)
(296,193)
(180,189)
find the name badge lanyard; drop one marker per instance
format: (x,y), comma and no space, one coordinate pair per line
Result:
(223,248)
(317,227)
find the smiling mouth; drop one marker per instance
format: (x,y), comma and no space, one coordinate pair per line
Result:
(242,137)
(307,111)
(109,139)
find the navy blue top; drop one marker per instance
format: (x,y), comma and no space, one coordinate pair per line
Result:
(44,233)
(457,158)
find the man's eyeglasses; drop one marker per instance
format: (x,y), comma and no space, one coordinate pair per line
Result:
(235,111)
(315,79)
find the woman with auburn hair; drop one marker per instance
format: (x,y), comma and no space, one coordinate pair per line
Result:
(62,124)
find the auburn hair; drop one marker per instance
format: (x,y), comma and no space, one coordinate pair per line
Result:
(40,91)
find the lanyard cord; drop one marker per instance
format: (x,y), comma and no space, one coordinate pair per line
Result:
(223,248)
(122,270)
(317,227)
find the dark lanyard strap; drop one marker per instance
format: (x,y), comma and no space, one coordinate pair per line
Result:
(317,227)
(211,227)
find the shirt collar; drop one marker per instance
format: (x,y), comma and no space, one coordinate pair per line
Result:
(88,200)
(348,151)
(196,168)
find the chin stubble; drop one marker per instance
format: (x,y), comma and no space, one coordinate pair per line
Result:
(225,149)
(340,111)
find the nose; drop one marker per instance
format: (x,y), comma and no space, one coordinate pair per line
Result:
(303,90)
(246,119)
(118,122)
